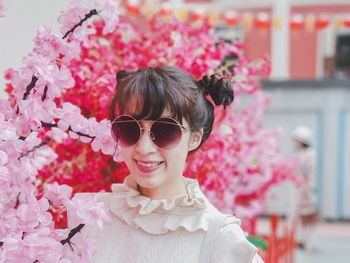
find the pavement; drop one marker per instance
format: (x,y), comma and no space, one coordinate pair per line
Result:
(331,243)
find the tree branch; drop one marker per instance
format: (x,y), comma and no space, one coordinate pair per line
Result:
(35,79)
(28,89)
(86,17)
(71,234)
(43,97)
(32,150)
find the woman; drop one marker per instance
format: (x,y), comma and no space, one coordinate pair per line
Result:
(160,116)
(306,206)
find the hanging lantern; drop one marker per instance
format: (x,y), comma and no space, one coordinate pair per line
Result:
(230,18)
(310,22)
(346,22)
(321,22)
(213,17)
(148,10)
(262,21)
(165,11)
(296,22)
(277,22)
(132,8)
(338,22)
(181,14)
(196,16)
(247,21)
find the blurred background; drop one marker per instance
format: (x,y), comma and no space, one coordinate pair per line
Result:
(309,46)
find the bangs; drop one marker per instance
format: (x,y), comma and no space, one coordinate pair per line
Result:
(146,94)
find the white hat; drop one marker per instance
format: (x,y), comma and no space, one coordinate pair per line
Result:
(303,134)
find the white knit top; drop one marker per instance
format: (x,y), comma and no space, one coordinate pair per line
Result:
(145,230)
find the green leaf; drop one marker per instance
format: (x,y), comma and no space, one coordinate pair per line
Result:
(258,242)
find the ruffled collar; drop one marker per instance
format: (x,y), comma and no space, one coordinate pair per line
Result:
(191,211)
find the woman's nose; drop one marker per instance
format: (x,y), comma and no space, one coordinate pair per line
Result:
(145,145)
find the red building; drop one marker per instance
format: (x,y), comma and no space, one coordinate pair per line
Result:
(306,39)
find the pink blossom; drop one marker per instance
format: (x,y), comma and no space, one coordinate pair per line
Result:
(3,8)
(68,114)
(103,140)
(71,17)
(87,210)
(39,245)
(58,194)
(109,7)
(57,134)
(3,158)
(34,213)
(9,74)
(48,44)
(33,112)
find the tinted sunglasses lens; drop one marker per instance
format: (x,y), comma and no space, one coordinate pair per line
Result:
(126,131)
(166,133)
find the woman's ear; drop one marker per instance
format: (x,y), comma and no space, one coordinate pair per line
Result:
(195,140)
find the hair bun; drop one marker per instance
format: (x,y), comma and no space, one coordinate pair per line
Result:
(122,74)
(219,89)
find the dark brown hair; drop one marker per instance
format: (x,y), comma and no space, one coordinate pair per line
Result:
(153,90)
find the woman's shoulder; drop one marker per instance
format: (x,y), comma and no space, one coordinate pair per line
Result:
(231,243)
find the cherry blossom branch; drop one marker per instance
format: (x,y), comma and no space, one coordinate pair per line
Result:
(30,86)
(52,125)
(34,148)
(45,93)
(71,234)
(86,17)
(35,79)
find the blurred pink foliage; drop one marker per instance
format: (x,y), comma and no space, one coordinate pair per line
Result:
(3,7)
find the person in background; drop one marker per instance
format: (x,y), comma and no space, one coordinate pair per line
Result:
(306,210)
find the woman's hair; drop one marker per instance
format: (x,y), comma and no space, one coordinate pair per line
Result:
(147,92)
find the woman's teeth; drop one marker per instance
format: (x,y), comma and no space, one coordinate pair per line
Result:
(148,164)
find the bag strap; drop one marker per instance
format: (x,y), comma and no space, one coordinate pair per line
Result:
(208,242)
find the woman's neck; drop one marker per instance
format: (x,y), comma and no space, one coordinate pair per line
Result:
(166,191)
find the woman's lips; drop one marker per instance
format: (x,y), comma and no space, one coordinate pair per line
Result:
(146,166)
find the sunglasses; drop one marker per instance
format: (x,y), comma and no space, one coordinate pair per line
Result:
(164,132)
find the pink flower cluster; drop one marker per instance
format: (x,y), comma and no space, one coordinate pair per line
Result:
(27,228)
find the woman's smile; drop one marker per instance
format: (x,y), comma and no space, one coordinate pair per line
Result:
(148,166)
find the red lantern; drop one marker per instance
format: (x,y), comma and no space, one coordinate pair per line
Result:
(230,18)
(262,21)
(165,12)
(321,23)
(296,22)
(346,22)
(196,16)
(132,8)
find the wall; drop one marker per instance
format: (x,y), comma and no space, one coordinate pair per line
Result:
(323,106)
(19,26)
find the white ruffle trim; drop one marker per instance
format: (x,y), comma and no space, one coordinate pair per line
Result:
(191,211)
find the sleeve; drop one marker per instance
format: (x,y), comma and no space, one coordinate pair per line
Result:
(231,245)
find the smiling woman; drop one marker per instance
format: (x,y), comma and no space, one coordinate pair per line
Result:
(160,116)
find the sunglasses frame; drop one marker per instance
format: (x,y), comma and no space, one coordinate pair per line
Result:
(150,134)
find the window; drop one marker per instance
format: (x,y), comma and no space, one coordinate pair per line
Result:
(342,58)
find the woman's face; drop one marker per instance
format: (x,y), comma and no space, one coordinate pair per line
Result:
(154,168)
